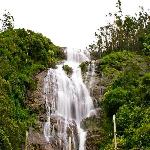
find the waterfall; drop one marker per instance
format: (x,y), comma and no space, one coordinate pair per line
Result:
(68,102)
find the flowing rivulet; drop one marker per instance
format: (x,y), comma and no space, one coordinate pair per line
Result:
(68,102)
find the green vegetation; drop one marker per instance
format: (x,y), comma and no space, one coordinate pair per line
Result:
(125,33)
(23,54)
(127,95)
(67,69)
(122,50)
(84,66)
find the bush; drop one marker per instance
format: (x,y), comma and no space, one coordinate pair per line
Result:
(146,43)
(68,70)
(141,137)
(114,99)
(84,66)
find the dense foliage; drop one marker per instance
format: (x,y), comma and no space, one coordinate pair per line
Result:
(127,95)
(23,53)
(122,51)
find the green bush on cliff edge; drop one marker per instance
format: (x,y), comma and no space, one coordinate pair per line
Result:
(23,53)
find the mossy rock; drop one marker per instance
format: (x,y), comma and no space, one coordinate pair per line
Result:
(68,70)
(84,66)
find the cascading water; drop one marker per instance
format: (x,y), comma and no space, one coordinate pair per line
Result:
(68,102)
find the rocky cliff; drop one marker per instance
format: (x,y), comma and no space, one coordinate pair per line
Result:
(36,101)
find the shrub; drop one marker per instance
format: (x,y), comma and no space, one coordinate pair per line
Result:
(114,99)
(84,66)
(68,70)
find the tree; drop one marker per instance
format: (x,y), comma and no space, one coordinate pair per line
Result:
(7,21)
(125,33)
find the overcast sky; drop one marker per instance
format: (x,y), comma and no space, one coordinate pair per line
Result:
(70,23)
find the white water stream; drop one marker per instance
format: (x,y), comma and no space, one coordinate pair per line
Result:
(68,102)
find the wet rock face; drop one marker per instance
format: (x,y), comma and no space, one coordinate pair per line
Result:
(93,124)
(35,138)
(36,141)
(94,138)
(36,101)
(35,98)
(94,83)
(95,134)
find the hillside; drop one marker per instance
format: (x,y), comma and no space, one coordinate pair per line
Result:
(23,54)
(81,96)
(122,55)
